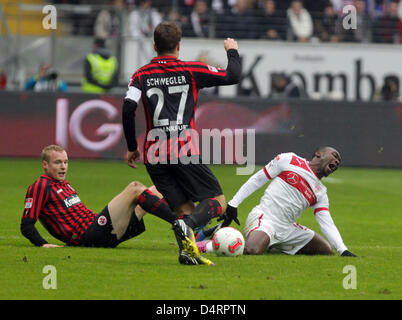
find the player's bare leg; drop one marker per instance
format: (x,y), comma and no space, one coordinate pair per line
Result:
(122,206)
(185,208)
(201,214)
(222,201)
(256,243)
(317,245)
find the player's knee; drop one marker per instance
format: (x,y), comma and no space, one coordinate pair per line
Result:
(136,188)
(325,249)
(222,201)
(155,191)
(253,249)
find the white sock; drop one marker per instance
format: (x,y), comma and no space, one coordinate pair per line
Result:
(210,246)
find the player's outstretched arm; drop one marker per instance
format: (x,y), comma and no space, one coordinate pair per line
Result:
(255,182)
(29,231)
(331,232)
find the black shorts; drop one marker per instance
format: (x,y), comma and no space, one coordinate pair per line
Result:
(179,183)
(99,233)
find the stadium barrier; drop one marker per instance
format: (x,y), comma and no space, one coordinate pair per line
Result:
(367,134)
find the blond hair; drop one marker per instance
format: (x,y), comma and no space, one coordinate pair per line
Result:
(46,151)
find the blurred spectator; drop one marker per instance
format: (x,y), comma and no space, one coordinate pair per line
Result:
(108,21)
(237,22)
(3,81)
(182,21)
(200,19)
(45,80)
(143,20)
(385,29)
(272,23)
(100,69)
(282,5)
(400,9)
(390,89)
(301,24)
(340,4)
(362,32)
(327,25)
(282,87)
(315,6)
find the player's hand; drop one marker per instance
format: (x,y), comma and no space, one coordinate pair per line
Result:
(229,216)
(347,253)
(49,245)
(132,157)
(230,43)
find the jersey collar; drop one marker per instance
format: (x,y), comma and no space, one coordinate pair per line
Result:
(51,179)
(164,58)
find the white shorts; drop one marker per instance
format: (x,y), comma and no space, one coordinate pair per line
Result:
(296,238)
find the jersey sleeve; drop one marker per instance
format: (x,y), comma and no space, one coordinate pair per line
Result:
(134,89)
(35,200)
(322,204)
(208,76)
(329,230)
(130,104)
(255,182)
(276,165)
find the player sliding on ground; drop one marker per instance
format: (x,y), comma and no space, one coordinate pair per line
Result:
(296,185)
(168,88)
(53,201)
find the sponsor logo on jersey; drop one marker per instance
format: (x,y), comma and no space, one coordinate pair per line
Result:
(28,203)
(72,200)
(292,178)
(297,181)
(213,69)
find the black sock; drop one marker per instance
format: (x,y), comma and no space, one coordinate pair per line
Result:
(203,213)
(156,206)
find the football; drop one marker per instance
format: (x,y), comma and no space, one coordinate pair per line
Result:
(228,242)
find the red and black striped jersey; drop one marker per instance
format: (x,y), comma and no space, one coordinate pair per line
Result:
(168,88)
(58,207)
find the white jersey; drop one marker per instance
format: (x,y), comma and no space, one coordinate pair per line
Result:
(295,187)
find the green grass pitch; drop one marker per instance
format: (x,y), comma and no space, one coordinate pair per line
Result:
(365,205)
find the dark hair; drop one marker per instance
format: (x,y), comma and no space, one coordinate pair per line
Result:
(167,36)
(99,42)
(319,149)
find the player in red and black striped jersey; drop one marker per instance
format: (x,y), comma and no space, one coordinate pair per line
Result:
(168,89)
(56,204)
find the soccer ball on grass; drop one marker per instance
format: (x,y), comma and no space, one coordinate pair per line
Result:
(228,242)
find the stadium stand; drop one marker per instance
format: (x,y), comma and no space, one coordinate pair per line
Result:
(378,21)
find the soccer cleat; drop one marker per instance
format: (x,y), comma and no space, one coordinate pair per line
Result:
(184,258)
(211,231)
(207,233)
(188,253)
(202,260)
(184,234)
(202,245)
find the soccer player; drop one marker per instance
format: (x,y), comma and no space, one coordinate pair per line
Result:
(56,204)
(296,185)
(168,89)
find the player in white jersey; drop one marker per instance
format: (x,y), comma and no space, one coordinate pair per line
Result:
(296,185)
